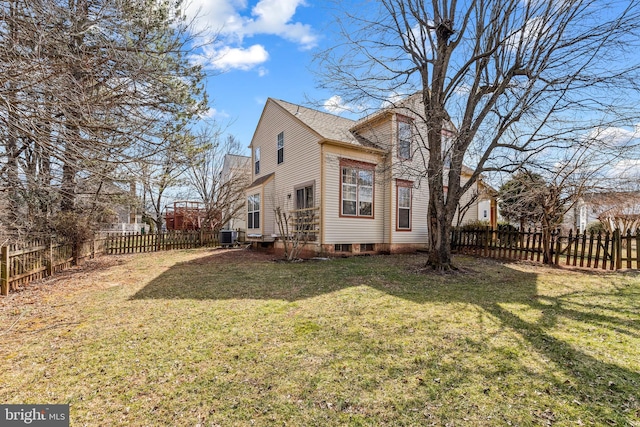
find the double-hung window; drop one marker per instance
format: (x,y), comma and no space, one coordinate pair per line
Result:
(253,211)
(403,195)
(357,189)
(405,137)
(280,147)
(304,197)
(256,160)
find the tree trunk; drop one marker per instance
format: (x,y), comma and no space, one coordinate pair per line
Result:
(439,240)
(547,244)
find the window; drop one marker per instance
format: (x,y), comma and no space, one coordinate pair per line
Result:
(253,208)
(280,147)
(404,138)
(357,189)
(342,247)
(304,197)
(256,159)
(366,247)
(305,217)
(403,194)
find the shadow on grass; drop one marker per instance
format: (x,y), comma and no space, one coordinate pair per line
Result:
(608,389)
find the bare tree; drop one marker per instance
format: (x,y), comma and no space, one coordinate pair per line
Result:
(219,175)
(617,210)
(464,207)
(295,229)
(164,172)
(519,80)
(540,195)
(90,87)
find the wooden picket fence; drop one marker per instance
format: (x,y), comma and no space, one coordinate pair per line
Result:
(22,263)
(609,250)
(131,243)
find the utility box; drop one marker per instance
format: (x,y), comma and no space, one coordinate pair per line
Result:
(228,238)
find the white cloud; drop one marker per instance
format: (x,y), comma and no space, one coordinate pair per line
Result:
(336,105)
(615,136)
(628,168)
(213,113)
(274,16)
(392,99)
(214,16)
(526,36)
(230,22)
(227,58)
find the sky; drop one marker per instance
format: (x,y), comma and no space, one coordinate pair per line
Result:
(265,48)
(262,49)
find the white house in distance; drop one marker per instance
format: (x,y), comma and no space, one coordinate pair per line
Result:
(358,177)
(236,169)
(614,209)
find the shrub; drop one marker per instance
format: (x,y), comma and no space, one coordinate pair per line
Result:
(505,226)
(596,227)
(73,226)
(475,225)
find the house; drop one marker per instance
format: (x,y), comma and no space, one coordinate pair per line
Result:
(357,178)
(235,174)
(487,205)
(613,209)
(117,201)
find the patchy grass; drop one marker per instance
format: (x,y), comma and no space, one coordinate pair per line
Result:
(234,338)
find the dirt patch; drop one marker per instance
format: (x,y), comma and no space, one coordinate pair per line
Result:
(234,255)
(84,277)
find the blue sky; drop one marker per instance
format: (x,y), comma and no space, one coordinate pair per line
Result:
(263,49)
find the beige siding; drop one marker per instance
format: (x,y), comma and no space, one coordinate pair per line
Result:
(301,163)
(419,206)
(409,170)
(349,229)
(380,132)
(472,212)
(268,215)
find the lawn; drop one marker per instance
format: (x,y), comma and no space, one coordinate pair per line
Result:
(230,337)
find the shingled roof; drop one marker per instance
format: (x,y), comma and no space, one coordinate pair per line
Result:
(328,126)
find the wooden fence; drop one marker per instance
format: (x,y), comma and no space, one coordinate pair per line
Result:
(613,251)
(131,243)
(26,262)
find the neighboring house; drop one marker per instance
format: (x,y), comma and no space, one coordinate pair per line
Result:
(486,206)
(118,202)
(235,169)
(614,209)
(357,177)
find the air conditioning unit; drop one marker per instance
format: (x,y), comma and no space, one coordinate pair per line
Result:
(228,238)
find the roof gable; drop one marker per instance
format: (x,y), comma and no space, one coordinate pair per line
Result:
(325,125)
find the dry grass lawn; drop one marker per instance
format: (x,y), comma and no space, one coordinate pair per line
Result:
(231,337)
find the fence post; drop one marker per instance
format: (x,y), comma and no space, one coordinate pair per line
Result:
(487,237)
(50,258)
(558,244)
(4,273)
(617,237)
